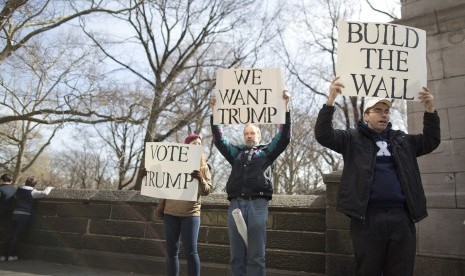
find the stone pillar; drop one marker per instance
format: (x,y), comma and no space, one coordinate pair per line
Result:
(339,250)
(442,233)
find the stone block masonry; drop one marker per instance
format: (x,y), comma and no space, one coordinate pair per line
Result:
(118,230)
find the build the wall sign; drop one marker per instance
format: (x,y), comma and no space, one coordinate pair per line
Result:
(253,95)
(381,60)
(169,167)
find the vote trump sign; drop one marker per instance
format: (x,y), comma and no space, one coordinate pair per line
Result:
(169,167)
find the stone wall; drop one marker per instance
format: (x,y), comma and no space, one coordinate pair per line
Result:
(443,171)
(117,230)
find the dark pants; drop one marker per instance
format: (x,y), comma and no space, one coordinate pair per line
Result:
(384,244)
(15,229)
(188,229)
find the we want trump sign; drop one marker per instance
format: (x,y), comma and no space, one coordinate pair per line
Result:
(249,96)
(381,60)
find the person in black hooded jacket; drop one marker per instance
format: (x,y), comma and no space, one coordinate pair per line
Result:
(381,189)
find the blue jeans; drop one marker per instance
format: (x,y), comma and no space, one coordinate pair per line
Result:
(248,261)
(188,229)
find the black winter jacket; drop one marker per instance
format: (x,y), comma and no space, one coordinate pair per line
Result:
(254,177)
(359,153)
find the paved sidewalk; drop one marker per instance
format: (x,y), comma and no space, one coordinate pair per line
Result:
(33,267)
(26,267)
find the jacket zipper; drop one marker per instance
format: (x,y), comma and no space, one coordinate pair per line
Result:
(373,160)
(407,193)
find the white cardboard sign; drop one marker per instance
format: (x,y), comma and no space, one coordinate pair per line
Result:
(253,95)
(169,167)
(381,60)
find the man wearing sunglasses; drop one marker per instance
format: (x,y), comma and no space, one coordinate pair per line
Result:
(381,189)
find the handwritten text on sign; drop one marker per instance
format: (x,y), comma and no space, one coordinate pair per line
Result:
(169,167)
(249,96)
(381,60)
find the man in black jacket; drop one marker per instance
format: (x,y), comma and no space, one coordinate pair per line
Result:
(381,189)
(249,188)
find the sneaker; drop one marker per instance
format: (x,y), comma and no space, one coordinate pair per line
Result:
(12,258)
(2,258)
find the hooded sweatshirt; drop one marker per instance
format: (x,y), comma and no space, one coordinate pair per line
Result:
(386,190)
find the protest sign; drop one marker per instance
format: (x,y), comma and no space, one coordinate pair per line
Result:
(381,60)
(169,167)
(249,96)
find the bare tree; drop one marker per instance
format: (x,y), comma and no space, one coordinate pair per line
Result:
(298,169)
(320,28)
(22,140)
(44,88)
(23,20)
(83,167)
(311,67)
(124,139)
(319,23)
(44,84)
(389,13)
(180,45)
(67,93)
(21,143)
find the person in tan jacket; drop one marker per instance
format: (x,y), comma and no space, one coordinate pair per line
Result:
(182,219)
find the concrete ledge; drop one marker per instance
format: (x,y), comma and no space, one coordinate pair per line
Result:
(93,197)
(426,266)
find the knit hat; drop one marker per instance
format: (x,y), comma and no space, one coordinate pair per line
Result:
(191,138)
(372,102)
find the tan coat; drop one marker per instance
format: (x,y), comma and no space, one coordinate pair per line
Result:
(184,208)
